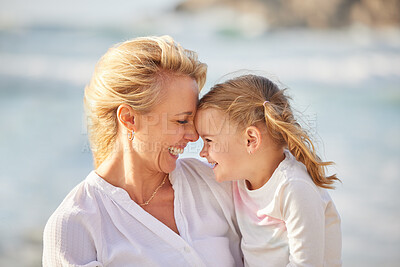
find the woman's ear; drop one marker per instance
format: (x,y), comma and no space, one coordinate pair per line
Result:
(253,138)
(126,116)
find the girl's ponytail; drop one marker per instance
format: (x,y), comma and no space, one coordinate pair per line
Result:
(282,125)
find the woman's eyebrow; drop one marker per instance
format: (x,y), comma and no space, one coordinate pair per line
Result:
(184,113)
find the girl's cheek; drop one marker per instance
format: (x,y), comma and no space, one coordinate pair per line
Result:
(212,148)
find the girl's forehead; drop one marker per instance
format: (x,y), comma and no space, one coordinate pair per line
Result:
(212,113)
(212,121)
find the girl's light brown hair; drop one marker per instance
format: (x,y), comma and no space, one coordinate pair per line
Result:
(243,99)
(132,73)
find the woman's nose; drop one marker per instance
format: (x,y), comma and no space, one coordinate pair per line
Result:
(191,133)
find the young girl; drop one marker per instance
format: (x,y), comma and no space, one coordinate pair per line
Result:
(284,212)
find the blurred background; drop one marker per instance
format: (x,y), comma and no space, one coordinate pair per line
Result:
(340,60)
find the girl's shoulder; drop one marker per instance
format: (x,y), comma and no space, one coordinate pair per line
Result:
(292,170)
(297,181)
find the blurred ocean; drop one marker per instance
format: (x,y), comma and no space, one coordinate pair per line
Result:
(345,83)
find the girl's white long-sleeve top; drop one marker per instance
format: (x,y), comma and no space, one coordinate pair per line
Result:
(98,224)
(289,221)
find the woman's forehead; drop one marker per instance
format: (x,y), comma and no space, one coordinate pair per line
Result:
(179,94)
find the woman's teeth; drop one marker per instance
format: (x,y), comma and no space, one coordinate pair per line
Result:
(175,151)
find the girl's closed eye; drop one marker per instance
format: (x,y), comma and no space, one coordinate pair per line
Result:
(182,121)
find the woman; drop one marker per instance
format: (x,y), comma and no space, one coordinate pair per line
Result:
(141,206)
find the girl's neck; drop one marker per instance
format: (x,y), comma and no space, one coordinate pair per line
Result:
(264,164)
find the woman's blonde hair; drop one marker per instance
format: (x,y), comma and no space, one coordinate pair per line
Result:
(132,73)
(243,99)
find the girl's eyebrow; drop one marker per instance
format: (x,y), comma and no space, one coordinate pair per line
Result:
(184,113)
(208,135)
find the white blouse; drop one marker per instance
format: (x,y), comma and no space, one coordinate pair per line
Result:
(289,221)
(98,224)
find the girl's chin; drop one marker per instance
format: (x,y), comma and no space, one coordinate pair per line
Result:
(218,178)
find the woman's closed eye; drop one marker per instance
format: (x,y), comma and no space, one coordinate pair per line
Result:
(183,121)
(207,140)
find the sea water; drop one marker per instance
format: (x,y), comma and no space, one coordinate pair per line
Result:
(344,84)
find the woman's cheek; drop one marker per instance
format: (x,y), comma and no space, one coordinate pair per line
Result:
(172,129)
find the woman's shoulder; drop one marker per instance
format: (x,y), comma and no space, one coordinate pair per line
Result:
(194,166)
(202,171)
(199,176)
(70,233)
(193,162)
(78,206)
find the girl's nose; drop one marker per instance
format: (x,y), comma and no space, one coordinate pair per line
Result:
(203,152)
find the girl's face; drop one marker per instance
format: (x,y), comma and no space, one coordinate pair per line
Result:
(224,146)
(163,133)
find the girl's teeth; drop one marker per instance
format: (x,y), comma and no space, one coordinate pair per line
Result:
(175,151)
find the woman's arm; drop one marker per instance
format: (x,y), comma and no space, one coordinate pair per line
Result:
(68,242)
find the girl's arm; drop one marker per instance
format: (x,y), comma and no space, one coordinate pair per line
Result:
(303,211)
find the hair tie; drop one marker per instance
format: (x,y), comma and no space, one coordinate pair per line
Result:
(265,102)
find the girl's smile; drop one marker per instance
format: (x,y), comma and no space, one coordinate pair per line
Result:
(223,145)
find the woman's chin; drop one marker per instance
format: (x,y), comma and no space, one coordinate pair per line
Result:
(169,164)
(173,156)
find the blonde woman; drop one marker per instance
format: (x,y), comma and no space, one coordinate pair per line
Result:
(141,206)
(285,213)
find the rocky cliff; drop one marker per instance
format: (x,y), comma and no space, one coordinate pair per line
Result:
(307,13)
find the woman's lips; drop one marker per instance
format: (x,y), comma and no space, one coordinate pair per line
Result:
(175,151)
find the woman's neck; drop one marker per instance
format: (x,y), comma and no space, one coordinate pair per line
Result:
(127,171)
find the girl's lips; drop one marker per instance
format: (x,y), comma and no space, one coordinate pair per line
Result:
(213,164)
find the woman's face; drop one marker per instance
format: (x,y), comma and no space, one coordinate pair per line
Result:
(162,134)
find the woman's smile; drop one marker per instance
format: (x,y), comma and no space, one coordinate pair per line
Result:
(175,151)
